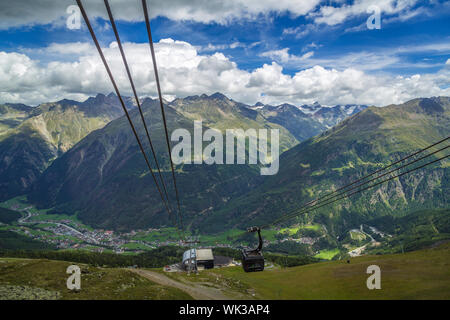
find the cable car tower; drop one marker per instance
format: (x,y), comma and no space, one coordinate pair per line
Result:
(193,241)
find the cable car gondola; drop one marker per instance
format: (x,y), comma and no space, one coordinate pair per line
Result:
(253,260)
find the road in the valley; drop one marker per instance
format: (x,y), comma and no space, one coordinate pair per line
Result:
(22,220)
(358,251)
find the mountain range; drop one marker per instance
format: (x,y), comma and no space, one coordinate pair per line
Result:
(355,147)
(97,171)
(108,163)
(32,137)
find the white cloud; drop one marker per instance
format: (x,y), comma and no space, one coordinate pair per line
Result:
(77,48)
(376,60)
(313,45)
(281,55)
(300,31)
(216,47)
(330,86)
(19,13)
(24,12)
(307,55)
(331,15)
(285,57)
(184,71)
(236,44)
(57,50)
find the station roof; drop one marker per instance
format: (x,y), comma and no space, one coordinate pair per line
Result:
(204,254)
(198,254)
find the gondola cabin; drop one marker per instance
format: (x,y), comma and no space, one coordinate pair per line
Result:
(253,260)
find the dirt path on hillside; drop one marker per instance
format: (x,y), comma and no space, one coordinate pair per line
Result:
(197,292)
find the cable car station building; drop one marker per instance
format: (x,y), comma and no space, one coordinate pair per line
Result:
(198,259)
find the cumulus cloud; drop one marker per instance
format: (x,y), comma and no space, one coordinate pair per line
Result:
(217,47)
(19,13)
(362,60)
(284,56)
(379,59)
(330,86)
(24,12)
(185,71)
(300,31)
(332,15)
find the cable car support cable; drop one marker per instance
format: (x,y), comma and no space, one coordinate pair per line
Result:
(105,63)
(309,206)
(355,192)
(152,50)
(130,78)
(327,197)
(387,167)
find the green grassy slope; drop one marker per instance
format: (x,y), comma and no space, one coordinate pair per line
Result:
(413,231)
(23,156)
(46,279)
(7,216)
(420,274)
(12,241)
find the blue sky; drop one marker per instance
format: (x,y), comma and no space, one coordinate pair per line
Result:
(281,51)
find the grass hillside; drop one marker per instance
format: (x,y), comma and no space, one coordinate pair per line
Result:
(420,274)
(10,240)
(7,216)
(414,231)
(423,274)
(46,279)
